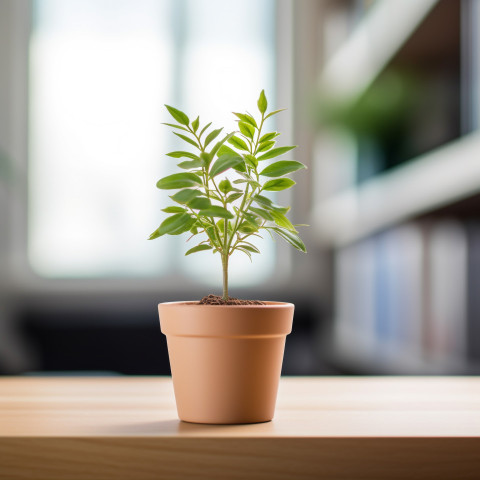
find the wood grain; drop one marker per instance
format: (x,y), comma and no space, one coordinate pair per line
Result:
(332,428)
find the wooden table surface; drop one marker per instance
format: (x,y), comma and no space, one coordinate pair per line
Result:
(331,427)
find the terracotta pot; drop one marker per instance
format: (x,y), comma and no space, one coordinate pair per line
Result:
(225,360)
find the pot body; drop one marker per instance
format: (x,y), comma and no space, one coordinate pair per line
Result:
(225,360)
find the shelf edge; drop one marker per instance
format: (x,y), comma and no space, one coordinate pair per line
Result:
(438,178)
(372,45)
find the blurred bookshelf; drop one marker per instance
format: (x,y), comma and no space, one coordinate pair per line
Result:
(397,162)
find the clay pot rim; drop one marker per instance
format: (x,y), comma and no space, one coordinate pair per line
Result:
(269,304)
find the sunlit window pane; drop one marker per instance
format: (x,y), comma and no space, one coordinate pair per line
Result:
(100,72)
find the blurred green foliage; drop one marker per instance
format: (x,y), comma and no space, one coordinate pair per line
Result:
(385,106)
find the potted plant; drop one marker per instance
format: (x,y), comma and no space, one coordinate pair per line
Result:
(226,354)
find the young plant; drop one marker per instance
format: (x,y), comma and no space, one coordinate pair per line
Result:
(225,212)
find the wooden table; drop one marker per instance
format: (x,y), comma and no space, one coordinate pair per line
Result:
(332,428)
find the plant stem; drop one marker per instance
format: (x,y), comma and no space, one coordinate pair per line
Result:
(225,276)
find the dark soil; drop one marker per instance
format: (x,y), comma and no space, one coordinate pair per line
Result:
(217,300)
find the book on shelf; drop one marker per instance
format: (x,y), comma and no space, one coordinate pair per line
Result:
(355,298)
(379,294)
(410,296)
(447,283)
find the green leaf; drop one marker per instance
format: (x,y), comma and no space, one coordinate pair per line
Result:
(191,164)
(252,219)
(212,136)
(225,186)
(199,248)
(263,213)
(282,221)
(268,136)
(185,227)
(183,154)
(275,152)
(154,235)
(265,146)
(234,196)
(274,113)
(210,231)
(278,184)
(214,196)
(251,160)
(204,129)
(179,180)
(186,139)
(240,167)
(262,102)
(206,158)
(220,143)
(221,225)
(247,176)
(179,116)
(278,208)
(244,117)
(173,210)
(224,163)
(226,149)
(215,211)
(278,169)
(238,143)
(246,227)
(249,180)
(199,203)
(291,237)
(184,196)
(263,201)
(175,126)
(246,129)
(249,247)
(246,252)
(195,124)
(174,225)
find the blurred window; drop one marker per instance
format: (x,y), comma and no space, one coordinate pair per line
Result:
(100,72)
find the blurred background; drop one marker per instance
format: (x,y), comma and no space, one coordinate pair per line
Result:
(383,100)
